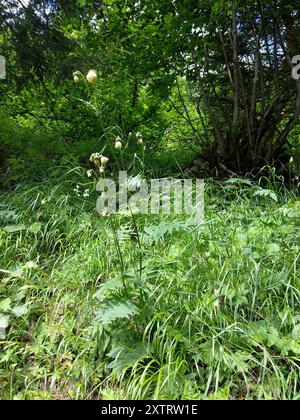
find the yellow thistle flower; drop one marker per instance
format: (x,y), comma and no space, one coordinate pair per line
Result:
(139,138)
(104,160)
(92,77)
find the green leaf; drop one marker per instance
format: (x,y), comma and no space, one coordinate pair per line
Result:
(115,309)
(168,18)
(35,228)
(110,285)
(15,271)
(125,357)
(5,305)
(265,193)
(273,249)
(239,181)
(8,215)
(14,228)
(296,332)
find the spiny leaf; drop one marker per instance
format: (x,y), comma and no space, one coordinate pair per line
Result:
(115,309)
(266,193)
(125,357)
(112,284)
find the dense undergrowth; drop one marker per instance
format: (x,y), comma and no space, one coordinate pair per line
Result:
(149,307)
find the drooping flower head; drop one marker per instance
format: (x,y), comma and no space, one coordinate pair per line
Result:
(139,137)
(96,158)
(91,77)
(76,76)
(104,160)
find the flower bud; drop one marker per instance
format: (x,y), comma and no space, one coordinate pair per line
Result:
(76,76)
(118,145)
(95,156)
(92,77)
(104,160)
(139,138)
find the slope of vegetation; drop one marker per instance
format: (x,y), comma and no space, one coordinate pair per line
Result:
(182,312)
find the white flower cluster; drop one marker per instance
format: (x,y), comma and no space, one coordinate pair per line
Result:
(99,161)
(85,193)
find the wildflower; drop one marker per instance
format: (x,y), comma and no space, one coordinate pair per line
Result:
(139,138)
(97,162)
(95,157)
(76,190)
(101,170)
(86,193)
(92,77)
(118,143)
(76,76)
(89,173)
(31,264)
(104,160)
(291,159)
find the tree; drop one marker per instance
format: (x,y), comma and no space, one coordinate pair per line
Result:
(236,59)
(229,62)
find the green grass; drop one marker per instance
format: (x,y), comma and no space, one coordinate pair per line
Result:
(149,307)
